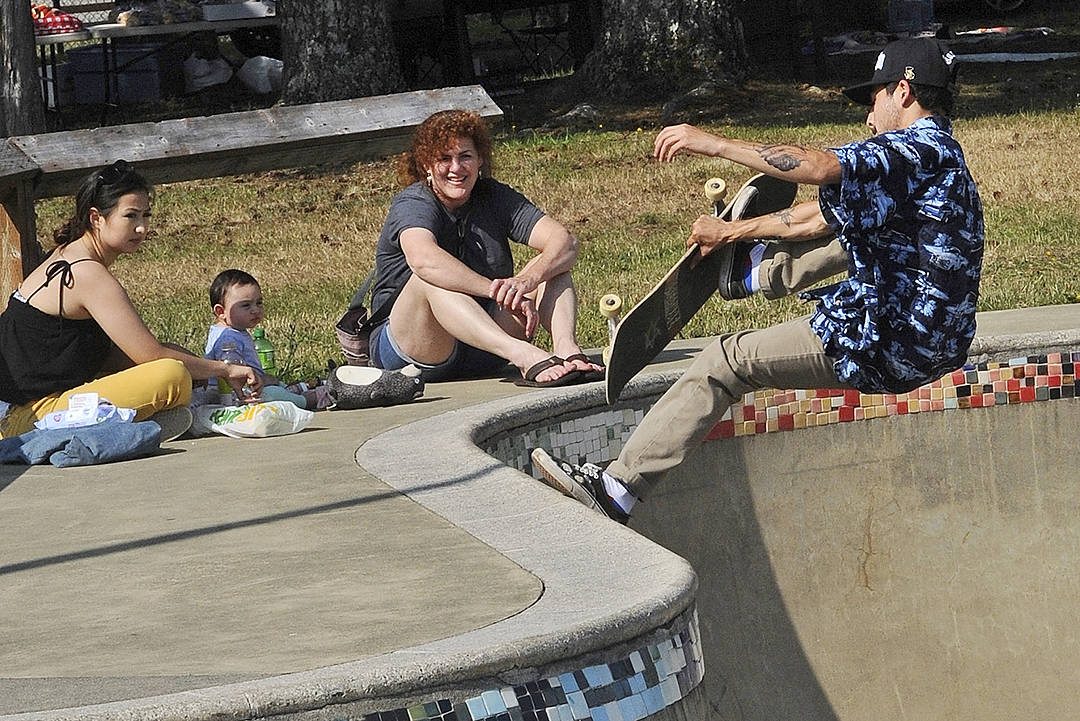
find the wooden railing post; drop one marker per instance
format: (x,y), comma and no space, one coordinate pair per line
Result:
(19,249)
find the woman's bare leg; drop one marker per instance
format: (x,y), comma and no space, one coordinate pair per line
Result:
(426,320)
(557,307)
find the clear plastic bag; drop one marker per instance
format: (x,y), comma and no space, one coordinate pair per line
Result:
(200,73)
(258,420)
(261,75)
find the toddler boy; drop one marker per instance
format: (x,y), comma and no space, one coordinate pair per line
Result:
(237,303)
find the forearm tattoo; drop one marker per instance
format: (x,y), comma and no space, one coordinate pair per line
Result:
(784,216)
(780,157)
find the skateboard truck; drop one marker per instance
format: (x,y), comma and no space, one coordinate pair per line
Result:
(610,307)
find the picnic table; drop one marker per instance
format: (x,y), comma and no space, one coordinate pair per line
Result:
(448,18)
(109,34)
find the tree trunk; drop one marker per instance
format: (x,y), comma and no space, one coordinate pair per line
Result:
(337,49)
(659,46)
(21,110)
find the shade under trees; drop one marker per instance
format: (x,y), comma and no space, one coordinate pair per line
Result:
(337,49)
(657,46)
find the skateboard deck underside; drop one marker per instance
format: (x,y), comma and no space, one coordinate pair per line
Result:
(651,324)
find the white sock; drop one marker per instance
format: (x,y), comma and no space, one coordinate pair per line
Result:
(753,277)
(619,493)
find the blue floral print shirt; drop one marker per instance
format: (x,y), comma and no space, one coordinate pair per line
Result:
(909,215)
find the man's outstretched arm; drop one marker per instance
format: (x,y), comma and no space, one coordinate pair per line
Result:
(788,162)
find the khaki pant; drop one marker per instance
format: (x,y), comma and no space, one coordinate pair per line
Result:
(790,267)
(147,388)
(788,355)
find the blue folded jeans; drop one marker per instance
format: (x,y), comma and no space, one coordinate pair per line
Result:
(102,443)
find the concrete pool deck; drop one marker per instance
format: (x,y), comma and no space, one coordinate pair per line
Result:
(283,576)
(221,560)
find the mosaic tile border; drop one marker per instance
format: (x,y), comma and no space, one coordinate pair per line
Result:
(597,435)
(1020,380)
(643,683)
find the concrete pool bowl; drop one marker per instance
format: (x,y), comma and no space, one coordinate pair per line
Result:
(916,567)
(826,555)
(910,564)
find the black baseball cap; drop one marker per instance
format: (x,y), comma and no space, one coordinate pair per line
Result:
(923,61)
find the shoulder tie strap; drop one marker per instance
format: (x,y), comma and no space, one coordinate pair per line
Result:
(62,269)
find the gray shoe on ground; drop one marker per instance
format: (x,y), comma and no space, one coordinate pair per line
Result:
(174,422)
(365,387)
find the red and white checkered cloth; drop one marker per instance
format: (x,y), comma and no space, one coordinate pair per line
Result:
(50,21)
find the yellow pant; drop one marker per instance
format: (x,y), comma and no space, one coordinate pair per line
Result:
(147,388)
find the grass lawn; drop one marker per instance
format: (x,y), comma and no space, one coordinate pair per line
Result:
(309,235)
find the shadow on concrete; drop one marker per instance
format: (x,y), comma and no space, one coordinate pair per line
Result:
(673,355)
(10,474)
(755,664)
(135,544)
(915,566)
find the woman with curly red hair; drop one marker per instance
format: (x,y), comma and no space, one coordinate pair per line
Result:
(443,263)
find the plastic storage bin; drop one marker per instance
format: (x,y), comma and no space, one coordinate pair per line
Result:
(143,72)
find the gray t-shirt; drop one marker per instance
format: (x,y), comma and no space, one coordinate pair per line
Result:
(478,233)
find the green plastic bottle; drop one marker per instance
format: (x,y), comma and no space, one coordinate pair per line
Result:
(265,350)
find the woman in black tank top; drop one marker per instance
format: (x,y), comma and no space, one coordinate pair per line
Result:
(71,328)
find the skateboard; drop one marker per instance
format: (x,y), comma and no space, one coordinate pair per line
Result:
(651,324)
(611,304)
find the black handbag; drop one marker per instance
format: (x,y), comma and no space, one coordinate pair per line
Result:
(354,328)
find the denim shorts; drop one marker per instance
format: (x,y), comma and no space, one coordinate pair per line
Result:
(465,361)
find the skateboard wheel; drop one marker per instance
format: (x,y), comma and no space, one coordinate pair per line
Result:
(715,189)
(610,305)
(606,355)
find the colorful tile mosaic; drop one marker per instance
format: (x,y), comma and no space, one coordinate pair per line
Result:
(597,435)
(1020,380)
(648,680)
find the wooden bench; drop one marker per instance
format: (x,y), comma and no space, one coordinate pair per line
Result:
(53,164)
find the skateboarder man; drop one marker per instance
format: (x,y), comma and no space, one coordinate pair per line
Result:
(899,212)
